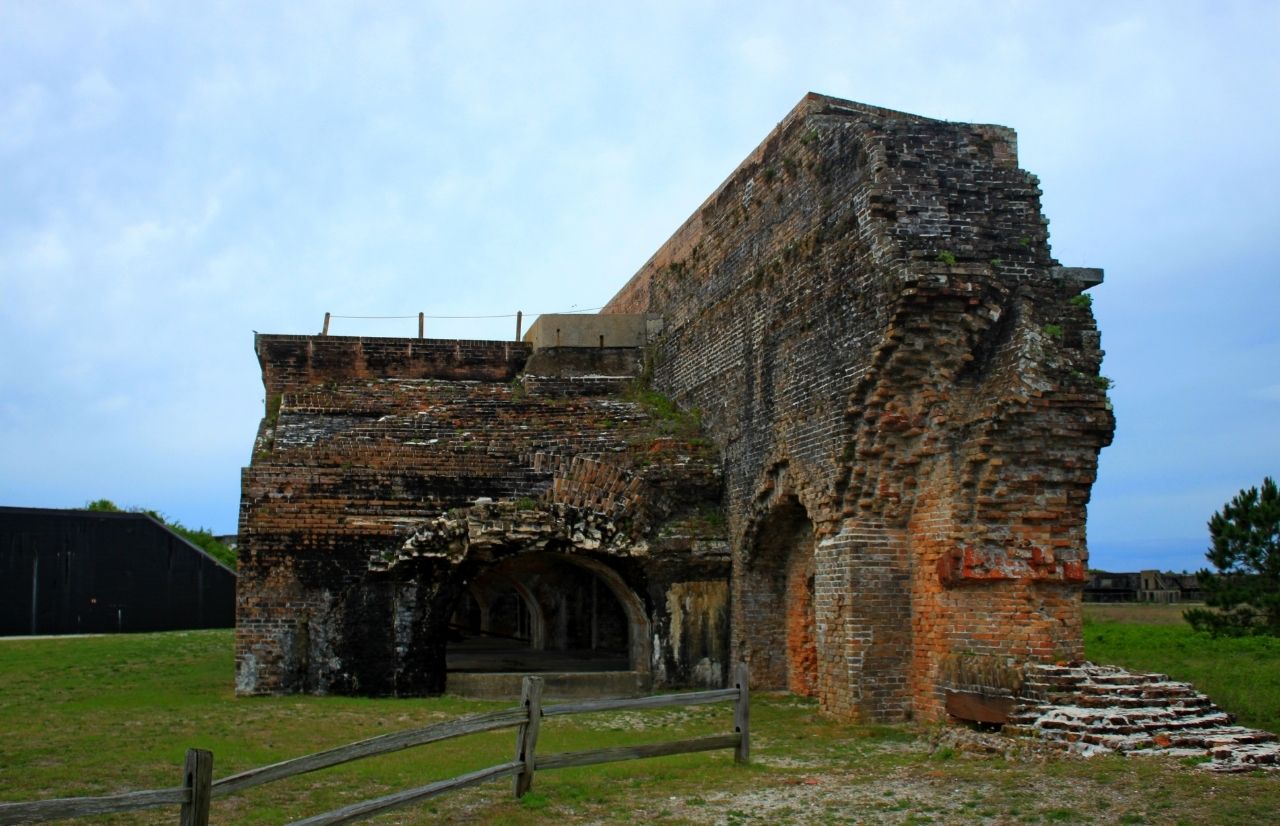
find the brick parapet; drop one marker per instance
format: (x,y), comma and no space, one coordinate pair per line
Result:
(291,362)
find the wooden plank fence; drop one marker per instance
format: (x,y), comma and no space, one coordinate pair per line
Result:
(198,787)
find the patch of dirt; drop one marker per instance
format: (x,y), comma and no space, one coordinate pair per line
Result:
(646,720)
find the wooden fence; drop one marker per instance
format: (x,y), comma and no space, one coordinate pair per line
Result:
(198,787)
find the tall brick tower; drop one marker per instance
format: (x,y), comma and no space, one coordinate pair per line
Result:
(904,386)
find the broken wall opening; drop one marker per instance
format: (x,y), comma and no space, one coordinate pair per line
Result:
(780,639)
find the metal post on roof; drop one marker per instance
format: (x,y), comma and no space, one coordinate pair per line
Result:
(325,331)
(421,323)
(519,321)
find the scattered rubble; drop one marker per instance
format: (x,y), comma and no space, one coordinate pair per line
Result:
(1099,709)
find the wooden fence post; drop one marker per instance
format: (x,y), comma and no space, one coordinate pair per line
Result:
(527,733)
(742,714)
(197,775)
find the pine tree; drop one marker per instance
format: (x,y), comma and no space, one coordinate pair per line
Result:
(1246,553)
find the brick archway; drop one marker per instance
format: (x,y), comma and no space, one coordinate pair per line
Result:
(778,601)
(486,591)
(575,604)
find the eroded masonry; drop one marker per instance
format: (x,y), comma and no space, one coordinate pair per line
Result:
(843,426)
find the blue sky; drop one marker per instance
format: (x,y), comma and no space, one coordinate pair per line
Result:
(174,176)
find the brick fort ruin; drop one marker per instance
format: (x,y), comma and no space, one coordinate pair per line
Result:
(843,426)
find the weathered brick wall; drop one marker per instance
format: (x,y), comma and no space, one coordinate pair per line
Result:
(388,473)
(901,384)
(867,316)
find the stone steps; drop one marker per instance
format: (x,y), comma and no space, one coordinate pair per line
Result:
(1098,709)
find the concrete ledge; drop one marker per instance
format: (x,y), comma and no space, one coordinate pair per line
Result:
(574,362)
(575,330)
(1084,277)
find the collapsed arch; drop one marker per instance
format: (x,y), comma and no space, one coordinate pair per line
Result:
(779,633)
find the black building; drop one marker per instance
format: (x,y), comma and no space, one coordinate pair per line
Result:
(76,571)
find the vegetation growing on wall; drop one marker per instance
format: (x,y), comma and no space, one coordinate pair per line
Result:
(669,418)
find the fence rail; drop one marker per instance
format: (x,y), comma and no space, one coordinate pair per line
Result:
(198,787)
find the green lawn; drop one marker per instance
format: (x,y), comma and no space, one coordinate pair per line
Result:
(108,714)
(1240,674)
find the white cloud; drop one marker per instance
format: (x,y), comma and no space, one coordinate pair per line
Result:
(763,54)
(46,252)
(24,112)
(138,241)
(95,101)
(36,278)
(112,404)
(1270,393)
(166,167)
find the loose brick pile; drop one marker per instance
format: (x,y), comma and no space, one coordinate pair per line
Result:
(1094,709)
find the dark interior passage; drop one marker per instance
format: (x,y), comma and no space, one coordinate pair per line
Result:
(538,612)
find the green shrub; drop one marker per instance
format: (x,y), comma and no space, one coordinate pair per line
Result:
(202,538)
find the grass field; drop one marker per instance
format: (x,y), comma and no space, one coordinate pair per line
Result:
(1240,674)
(1138,613)
(107,714)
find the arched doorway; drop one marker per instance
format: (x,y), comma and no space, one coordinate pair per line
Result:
(780,639)
(494,618)
(548,612)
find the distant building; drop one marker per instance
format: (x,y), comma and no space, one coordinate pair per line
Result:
(1143,586)
(1190,587)
(1104,586)
(1159,587)
(76,571)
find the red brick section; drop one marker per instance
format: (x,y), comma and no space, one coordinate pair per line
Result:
(802,649)
(867,314)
